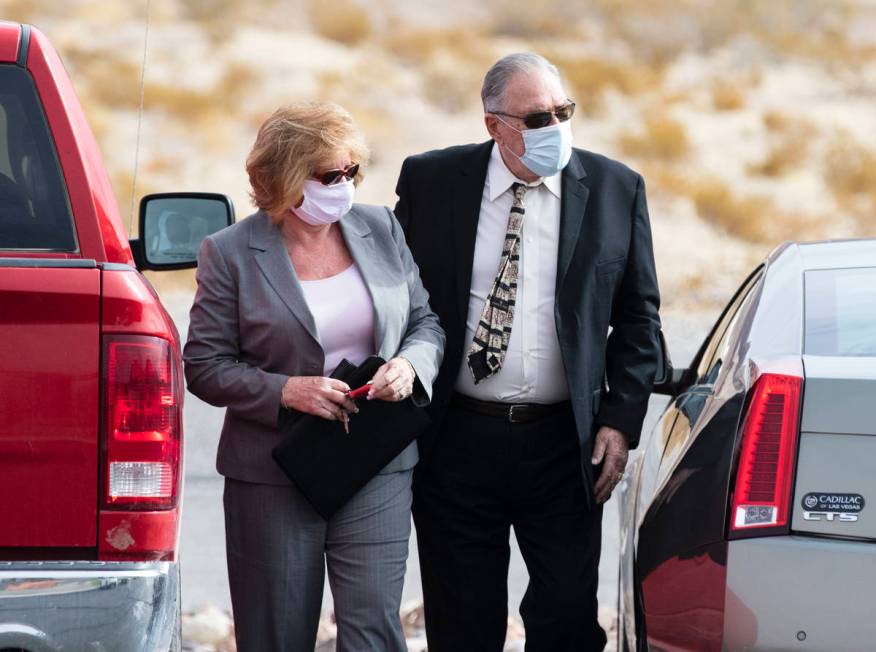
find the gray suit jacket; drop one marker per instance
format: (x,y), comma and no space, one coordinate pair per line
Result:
(251,329)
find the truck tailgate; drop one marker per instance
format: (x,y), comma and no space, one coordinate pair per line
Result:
(49,403)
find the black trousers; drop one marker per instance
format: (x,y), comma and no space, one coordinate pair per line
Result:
(485,475)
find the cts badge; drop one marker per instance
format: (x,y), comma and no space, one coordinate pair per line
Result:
(830,516)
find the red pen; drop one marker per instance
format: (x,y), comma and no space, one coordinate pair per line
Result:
(359,391)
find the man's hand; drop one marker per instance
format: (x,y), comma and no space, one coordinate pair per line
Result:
(394,381)
(611,446)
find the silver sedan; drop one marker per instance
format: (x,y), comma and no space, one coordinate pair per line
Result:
(748,521)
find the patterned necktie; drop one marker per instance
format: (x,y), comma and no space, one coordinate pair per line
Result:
(487,351)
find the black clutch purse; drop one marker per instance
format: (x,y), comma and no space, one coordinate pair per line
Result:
(328,465)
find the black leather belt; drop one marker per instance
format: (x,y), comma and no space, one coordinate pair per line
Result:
(513,412)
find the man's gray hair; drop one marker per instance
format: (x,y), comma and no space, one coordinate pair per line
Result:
(500,73)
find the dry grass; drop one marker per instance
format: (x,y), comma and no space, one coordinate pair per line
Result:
(753,218)
(450,89)
(21,11)
(790,141)
(417,46)
(536,19)
(451,62)
(662,137)
(782,157)
(728,95)
(776,121)
(661,30)
(188,104)
(850,174)
(743,217)
(109,81)
(589,77)
(345,21)
(219,18)
(850,168)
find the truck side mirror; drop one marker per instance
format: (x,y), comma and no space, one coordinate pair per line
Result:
(172,226)
(667,380)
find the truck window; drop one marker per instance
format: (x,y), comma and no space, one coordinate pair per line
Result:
(34,208)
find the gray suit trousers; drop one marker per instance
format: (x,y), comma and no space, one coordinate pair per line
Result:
(278,548)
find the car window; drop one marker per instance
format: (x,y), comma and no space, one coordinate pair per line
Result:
(840,312)
(717,348)
(34,210)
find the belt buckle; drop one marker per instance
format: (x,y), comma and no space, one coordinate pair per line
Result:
(511,412)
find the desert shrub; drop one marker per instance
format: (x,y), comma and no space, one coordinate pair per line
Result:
(450,88)
(753,218)
(188,103)
(417,46)
(345,21)
(662,137)
(850,168)
(850,174)
(451,62)
(728,95)
(775,120)
(590,76)
(535,19)
(790,141)
(782,157)
(110,81)
(742,217)
(220,18)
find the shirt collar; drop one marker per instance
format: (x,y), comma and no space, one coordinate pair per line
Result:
(500,178)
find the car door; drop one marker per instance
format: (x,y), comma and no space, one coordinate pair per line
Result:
(682,501)
(675,426)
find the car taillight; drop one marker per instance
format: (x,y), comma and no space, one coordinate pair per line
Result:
(762,496)
(142,412)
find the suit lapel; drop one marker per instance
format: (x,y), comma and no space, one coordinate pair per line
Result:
(364,252)
(466,211)
(572,207)
(274,262)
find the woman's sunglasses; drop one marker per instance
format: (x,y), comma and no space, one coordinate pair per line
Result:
(539,119)
(333,176)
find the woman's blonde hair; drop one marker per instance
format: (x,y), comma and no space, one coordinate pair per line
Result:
(290,145)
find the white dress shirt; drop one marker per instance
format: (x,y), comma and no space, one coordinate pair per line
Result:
(533,368)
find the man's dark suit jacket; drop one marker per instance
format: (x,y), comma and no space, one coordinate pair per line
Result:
(605,279)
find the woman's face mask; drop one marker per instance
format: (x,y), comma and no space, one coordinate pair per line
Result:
(325,204)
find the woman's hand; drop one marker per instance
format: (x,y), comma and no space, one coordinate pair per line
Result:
(394,381)
(318,395)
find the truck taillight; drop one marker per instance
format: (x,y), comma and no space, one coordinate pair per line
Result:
(142,401)
(762,496)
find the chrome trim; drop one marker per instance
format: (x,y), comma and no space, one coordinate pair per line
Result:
(88,605)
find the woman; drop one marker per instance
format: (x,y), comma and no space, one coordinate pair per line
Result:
(283,296)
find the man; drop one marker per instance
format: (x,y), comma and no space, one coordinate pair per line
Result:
(530,250)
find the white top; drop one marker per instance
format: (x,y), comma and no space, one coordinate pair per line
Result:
(344,314)
(533,368)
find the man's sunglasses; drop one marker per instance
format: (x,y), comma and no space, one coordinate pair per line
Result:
(333,176)
(539,119)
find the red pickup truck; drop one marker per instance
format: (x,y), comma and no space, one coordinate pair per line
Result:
(91,385)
